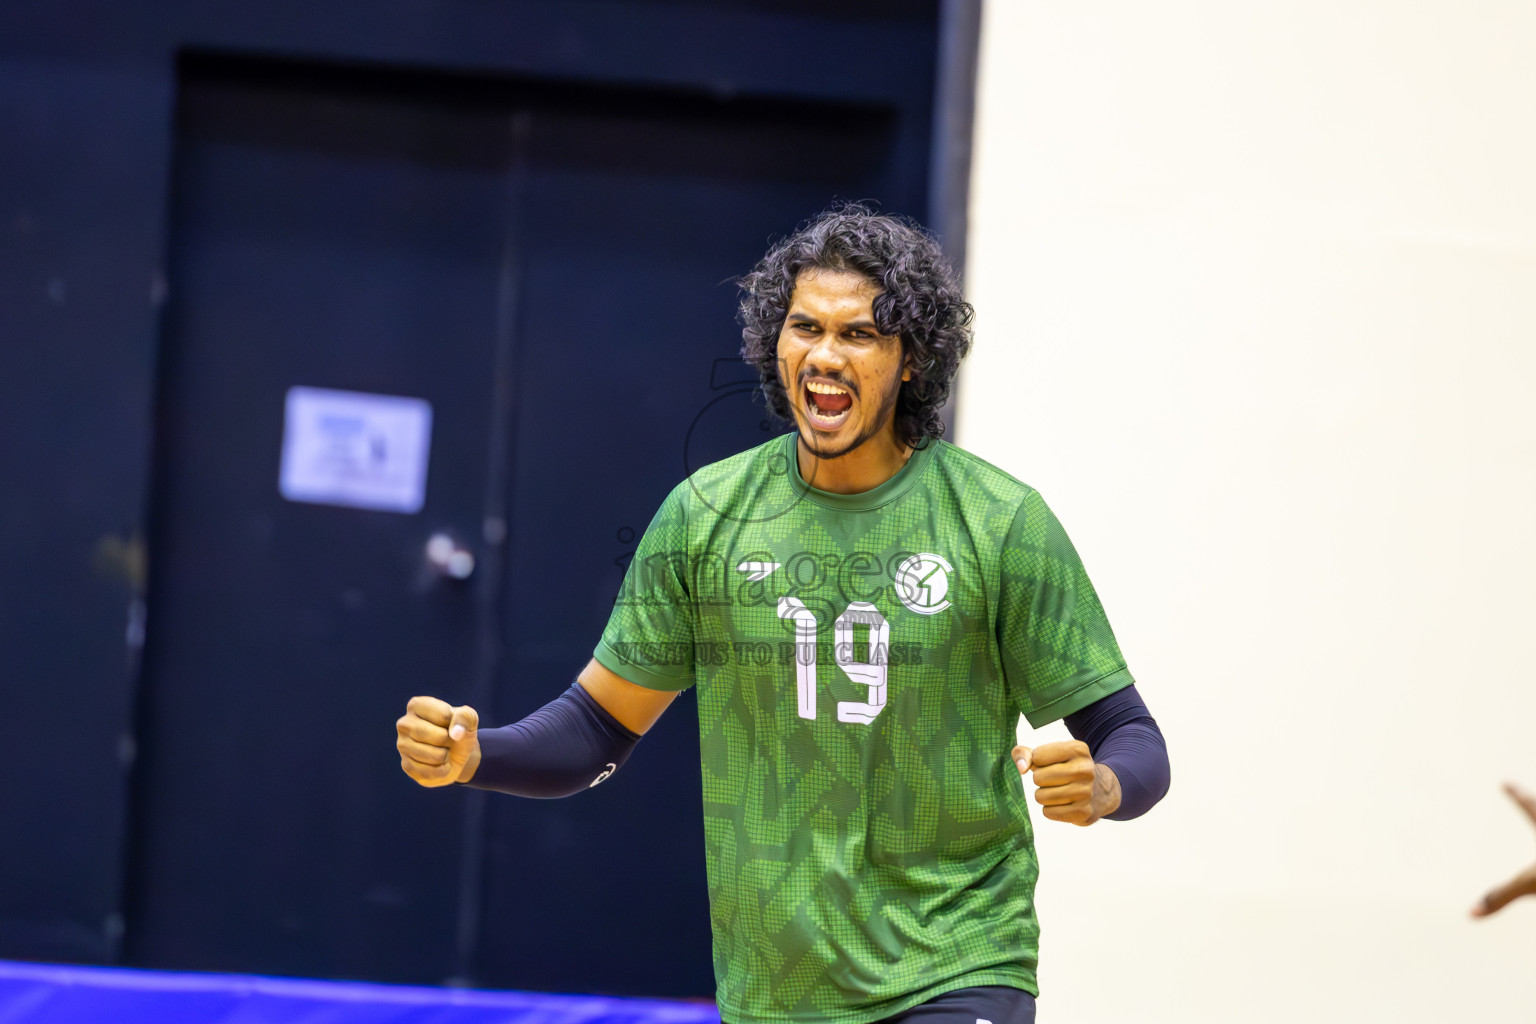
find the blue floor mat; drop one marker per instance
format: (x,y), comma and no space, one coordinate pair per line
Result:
(50,994)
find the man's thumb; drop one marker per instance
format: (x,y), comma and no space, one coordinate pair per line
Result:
(1024,757)
(461,729)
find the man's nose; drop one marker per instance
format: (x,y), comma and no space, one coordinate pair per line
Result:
(827,353)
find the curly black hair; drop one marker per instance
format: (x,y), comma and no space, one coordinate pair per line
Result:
(919,301)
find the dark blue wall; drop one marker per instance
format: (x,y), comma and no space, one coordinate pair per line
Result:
(88,97)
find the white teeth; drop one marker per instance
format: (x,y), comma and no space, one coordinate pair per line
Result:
(824,389)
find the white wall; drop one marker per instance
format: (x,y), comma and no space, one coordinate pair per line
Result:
(1257,314)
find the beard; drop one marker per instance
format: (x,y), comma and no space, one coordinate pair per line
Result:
(874,426)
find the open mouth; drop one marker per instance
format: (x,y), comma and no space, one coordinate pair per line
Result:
(827,405)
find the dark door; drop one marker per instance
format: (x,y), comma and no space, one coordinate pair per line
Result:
(341,239)
(549,271)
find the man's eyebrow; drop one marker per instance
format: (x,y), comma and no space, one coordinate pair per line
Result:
(866,325)
(856,325)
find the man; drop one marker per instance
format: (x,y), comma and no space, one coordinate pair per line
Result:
(866,610)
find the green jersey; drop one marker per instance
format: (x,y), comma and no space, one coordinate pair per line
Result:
(861,663)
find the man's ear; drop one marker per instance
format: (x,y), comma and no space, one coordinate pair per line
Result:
(907,365)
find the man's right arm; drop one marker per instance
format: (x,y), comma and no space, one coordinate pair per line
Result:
(568,745)
(636,707)
(584,735)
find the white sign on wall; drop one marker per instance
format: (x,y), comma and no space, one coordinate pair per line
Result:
(354,449)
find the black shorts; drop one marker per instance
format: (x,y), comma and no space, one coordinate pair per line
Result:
(986,1004)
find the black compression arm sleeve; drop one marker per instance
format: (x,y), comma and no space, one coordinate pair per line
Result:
(568,745)
(1121,733)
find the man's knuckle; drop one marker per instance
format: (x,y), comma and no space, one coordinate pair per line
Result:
(429,709)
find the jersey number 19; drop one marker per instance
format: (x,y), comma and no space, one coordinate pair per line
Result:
(871,673)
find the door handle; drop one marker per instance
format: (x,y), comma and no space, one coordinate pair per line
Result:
(450,558)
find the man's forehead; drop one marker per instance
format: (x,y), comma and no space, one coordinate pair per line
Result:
(821,292)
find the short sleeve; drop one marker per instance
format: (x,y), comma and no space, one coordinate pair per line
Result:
(649,636)
(1059,654)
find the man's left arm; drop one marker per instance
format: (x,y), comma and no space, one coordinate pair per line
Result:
(1115,766)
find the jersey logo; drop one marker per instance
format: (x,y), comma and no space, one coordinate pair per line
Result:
(758,570)
(606,772)
(922,583)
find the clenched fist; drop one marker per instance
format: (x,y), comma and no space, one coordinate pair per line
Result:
(437,741)
(1068,785)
